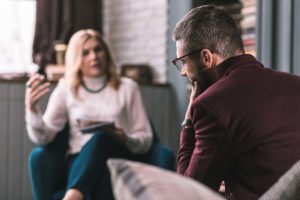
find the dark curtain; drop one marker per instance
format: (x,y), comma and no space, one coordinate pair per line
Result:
(58,20)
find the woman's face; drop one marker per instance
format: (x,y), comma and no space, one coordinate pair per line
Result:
(93,59)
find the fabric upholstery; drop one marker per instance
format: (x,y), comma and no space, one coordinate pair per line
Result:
(134,181)
(287,187)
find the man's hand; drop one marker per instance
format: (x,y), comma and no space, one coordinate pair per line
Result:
(196,91)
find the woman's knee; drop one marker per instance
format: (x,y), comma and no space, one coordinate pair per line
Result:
(36,156)
(101,139)
(102,143)
(40,156)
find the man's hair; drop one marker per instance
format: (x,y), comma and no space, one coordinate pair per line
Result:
(209,27)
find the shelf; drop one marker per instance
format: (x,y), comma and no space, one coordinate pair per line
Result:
(55,72)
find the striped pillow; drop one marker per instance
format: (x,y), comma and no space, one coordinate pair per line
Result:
(133,180)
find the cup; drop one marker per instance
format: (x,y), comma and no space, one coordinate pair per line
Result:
(60,50)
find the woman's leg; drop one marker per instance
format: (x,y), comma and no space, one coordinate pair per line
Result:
(72,194)
(47,172)
(89,170)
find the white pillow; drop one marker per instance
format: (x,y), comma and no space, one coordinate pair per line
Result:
(133,180)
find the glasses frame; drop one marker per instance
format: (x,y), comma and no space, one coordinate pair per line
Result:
(177,59)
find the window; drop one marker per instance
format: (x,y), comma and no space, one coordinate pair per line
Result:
(17,21)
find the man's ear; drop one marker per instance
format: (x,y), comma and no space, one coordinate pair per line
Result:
(207,58)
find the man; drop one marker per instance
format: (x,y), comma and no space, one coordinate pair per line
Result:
(242,124)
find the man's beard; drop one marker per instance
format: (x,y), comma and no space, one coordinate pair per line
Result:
(203,76)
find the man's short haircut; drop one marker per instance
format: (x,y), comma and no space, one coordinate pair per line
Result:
(209,27)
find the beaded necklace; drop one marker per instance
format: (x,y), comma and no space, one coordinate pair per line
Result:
(91,90)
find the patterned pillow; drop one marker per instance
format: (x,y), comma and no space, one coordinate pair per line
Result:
(133,180)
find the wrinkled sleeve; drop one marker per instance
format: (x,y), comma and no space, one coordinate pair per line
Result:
(140,134)
(204,152)
(41,128)
(187,145)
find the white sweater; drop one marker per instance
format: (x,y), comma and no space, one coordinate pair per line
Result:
(123,106)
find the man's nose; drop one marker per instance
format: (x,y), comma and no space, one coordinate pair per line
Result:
(183,72)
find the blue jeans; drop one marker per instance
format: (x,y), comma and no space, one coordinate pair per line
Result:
(86,171)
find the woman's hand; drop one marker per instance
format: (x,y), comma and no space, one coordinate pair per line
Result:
(117,133)
(35,90)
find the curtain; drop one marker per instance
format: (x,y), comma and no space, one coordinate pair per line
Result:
(58,20)
(278,26)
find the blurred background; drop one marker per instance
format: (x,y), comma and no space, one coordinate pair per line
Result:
(34,35)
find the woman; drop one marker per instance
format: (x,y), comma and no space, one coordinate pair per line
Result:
(91,90)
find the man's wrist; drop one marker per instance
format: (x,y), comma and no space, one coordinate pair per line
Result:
(187,123)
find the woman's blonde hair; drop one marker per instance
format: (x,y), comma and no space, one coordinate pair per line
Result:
(73,74)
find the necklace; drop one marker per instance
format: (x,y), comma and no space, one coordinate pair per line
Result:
(91,90)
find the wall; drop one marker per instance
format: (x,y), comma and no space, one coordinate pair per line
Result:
(14,144)
(177,9)
(141,32)
(137,33)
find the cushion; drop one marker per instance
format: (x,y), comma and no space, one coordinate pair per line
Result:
(133,180)
(287,187)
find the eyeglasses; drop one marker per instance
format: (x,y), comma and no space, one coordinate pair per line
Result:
(179,63)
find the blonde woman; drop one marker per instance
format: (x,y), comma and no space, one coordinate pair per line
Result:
(91,90)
